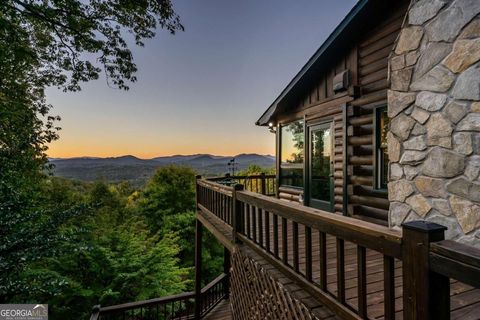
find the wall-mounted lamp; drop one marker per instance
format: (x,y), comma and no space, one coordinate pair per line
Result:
(272,128)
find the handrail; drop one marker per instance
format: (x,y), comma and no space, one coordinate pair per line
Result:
(373,236)
(211,295)
(226,190)
(259,183)
(282,233)
(456,260)
(146,303)
(242,177)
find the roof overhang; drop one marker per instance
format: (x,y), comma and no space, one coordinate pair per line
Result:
(338,41)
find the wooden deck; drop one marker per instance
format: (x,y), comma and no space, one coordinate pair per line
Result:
(465,300)
(220,312)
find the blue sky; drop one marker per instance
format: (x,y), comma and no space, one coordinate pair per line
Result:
(199,91)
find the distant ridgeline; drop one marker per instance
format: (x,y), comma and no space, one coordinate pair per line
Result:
(137,171)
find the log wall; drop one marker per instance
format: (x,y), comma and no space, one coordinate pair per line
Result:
(367,61)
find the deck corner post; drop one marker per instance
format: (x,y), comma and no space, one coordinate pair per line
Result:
(421,290)
(95,312)
(237,224)
(197,194)
(263,186)
(198,269)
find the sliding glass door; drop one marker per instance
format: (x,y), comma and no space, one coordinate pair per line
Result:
(320,173)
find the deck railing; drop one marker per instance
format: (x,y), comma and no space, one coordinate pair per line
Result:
(180,306)
(283,233)
(261,183)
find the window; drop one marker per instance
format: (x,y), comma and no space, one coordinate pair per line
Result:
(381,130)
(291,154)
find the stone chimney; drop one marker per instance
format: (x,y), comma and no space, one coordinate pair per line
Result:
(433,104)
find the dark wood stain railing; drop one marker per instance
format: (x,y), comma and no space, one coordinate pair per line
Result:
(180,306)
(283,233)
(261,183)
(294,218)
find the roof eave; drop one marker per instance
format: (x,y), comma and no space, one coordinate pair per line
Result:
(266,117)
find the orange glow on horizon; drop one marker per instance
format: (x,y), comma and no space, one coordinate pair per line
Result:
(65,148)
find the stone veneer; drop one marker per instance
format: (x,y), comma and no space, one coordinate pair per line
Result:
(433,104)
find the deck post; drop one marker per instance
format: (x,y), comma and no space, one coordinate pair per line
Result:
(198,269)
(421,288)
(263,187)
(237,217)
(226,270)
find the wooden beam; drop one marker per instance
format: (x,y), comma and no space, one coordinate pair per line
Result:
(198,269)
(202,215)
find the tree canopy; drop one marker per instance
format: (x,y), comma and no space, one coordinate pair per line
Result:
(62,43)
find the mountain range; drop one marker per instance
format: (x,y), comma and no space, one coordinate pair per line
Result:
(137,171)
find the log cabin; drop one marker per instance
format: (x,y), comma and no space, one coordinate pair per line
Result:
(331,120)
(374,211)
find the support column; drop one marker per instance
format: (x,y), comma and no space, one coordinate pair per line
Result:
(226,270)
(198,269)
(237,216)
(421,287)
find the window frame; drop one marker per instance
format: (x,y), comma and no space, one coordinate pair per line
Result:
(378,160)
(299,165)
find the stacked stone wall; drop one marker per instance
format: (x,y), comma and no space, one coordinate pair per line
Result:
(433,104)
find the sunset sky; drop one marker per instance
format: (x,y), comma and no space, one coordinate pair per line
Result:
(199,91)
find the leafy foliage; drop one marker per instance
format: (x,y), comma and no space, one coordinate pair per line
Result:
(168,204)
(63,43)
(68,42)
(109,253)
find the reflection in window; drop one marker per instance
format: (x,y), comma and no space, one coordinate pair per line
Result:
(382,122)
(321,147)
(291,158)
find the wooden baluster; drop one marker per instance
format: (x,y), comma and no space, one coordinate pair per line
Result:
(198,269)
(341,270)
(228,206)
(260,226)
(308,253)
(262,184)
(219,203)
(295,246)
(215,211)
(362,281)
(224,203)
(209,207)
(267,231)
(229,212)
(236,212)
(323,260)
(254,223)
(389,287)
(249,226)
(244,219)
(285,240)
(275,235)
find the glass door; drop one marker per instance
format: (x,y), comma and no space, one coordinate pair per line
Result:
(321,166)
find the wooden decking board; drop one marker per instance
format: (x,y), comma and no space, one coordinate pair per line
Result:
(220,312)
(465,300)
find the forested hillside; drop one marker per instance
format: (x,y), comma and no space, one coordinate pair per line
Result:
(78,244)
(114,245)
(138,171)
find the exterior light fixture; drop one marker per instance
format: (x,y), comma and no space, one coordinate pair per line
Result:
(271,127)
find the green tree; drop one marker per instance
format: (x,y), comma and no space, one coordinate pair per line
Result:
(168,205)
(54,43)
(108,261)
(170,191)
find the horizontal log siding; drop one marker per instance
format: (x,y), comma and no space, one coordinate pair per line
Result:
(373,50)
(367,61)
